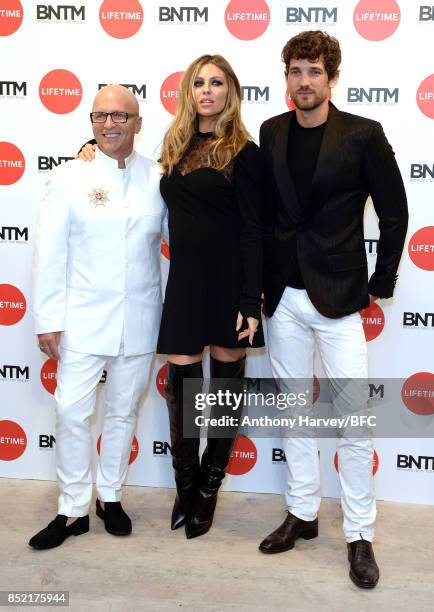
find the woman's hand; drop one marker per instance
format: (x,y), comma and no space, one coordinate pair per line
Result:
(250,331)
(87,153)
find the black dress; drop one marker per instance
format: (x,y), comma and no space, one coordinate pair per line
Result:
(215,236)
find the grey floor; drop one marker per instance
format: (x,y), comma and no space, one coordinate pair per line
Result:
(156,569)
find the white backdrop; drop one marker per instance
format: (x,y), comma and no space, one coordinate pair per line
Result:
(386,73)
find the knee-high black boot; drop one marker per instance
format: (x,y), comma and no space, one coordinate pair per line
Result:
(185,451)
(215,459)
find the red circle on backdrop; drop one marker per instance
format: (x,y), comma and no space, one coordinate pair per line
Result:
(421,248)
(418,393)
(12,163)
(49,375)
(134,449)
(373,321)
(165,251)
(375,465)
(11,17)
(161,380)
(12,305)
(425,96)
(376,19)
(243,457)
(13,440)
(121,18)
(169,91)
(247,19)
(60,91)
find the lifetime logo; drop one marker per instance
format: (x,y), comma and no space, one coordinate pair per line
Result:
(46,163)
(13,89)
(373,321)
(169,91)
(165,250)
(13,440)
(375,462)
(417,393)
(373,95)
(425,96)
(421,248)
(376,19)
(410,462)
(160,448)
(313,14)
(243,457)
(49,375)
(247,19)
(253,93)
(121,18)
(134,449)
(183,14)
(414,319)
(14,234)
(12,163)
(161,380)
(371,245)
(60,91)
(11,17)
(13,305)
(426,13)
(422,172)
(14,372)
(60,12)
(137,90)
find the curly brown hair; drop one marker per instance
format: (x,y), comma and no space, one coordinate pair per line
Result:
(313,45)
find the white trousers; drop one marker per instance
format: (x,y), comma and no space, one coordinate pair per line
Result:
(292,332)
(77,377)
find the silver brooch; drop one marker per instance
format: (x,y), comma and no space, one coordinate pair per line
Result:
(98,197)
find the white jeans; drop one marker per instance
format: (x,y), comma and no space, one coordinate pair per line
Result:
(77,377)
(292,332)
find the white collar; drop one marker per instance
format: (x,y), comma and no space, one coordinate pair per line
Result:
(112,163)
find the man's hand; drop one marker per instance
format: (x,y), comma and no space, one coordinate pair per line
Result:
(49,344)
(251,331)
(87,153)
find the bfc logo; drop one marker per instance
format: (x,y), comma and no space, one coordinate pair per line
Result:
(11,17)
(121,18)
(243,457)
(376,19)
(12,163)
(418,393)
(373,321)
(375,462)
(134,449)
(169,92)
(247,19)
(13,441)
(421,248)
(425,96)
(60,91)
(13,304)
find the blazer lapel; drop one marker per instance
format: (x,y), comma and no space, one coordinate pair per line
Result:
(284,182)
(327,153)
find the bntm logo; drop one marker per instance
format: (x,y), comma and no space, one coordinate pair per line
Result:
(121,18)
(375,462)
(134,449)
(12,163)
(60,91)
(13,440)
(11,17)
(247,19)
(12,305)
(376,19)
(373,321)
(418,393)
(425,96)
(243,457)
(421,248)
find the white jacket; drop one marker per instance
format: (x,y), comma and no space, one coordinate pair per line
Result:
(97,256)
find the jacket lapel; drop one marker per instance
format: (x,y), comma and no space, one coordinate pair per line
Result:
(327,153)
(284,182)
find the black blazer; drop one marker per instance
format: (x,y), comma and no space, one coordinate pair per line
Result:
(355,161)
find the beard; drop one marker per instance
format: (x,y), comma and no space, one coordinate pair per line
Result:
(308,103)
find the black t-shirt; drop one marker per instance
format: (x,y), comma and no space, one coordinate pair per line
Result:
(302,155)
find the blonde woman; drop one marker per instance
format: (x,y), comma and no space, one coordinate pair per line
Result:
(213,186)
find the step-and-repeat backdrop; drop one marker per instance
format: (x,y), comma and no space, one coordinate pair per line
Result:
(55,57)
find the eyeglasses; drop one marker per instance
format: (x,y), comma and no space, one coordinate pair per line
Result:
(116,117)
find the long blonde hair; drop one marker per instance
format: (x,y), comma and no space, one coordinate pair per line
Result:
(230,135)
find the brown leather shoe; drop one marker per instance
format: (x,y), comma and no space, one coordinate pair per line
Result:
(364,570)
(283,538)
